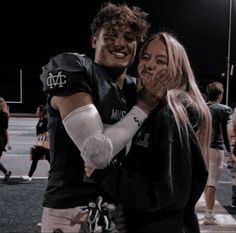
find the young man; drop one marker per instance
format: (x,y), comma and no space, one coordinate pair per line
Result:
(219,140)
(86,101)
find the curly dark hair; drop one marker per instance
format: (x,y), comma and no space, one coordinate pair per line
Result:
(122,14)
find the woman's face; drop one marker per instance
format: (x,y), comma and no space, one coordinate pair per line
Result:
(153,59)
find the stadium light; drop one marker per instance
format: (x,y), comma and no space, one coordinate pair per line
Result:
(228,73)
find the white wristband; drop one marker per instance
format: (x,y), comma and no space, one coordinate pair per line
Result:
(122,132)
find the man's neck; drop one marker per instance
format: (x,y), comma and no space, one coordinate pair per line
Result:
(214,102)
(117,74)
(120,80)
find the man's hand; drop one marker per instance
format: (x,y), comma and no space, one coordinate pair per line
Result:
(151,89)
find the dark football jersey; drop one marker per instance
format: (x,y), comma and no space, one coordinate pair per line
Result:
(66,74)
(220,116)
(41,126)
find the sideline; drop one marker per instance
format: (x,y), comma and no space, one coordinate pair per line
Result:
(29,115)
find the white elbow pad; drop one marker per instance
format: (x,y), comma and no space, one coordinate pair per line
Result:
(83,123)
(98,151)
(85,128)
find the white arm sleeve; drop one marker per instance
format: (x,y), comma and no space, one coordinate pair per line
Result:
(99,146)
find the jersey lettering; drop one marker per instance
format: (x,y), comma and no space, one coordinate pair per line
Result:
(57,80)
(117,114)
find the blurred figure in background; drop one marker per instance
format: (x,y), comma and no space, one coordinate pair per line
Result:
(40,149)
(219,141)
(4,138)
(232,160)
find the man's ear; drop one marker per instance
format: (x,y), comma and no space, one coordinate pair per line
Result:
(93,41)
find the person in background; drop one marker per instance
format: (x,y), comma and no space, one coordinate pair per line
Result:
(164,174)
(231,164)
(92,115)
(4,137)
(219,141)
(41,149)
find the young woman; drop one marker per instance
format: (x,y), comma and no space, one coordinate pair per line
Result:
(4,139)
(164,173)
(39,151)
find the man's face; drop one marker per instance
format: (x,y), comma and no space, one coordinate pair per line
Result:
(115,46)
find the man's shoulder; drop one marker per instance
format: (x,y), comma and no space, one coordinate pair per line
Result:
(224,108)
(66,72)
(69,60)
(221,110)
(219,106)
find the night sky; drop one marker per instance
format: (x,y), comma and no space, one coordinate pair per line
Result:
(32,33)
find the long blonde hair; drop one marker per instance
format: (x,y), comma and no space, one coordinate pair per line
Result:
(183,91)
(3,106)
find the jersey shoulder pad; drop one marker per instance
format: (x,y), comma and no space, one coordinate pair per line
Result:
(224,111)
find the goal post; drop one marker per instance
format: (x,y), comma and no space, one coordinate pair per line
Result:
(20,100)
